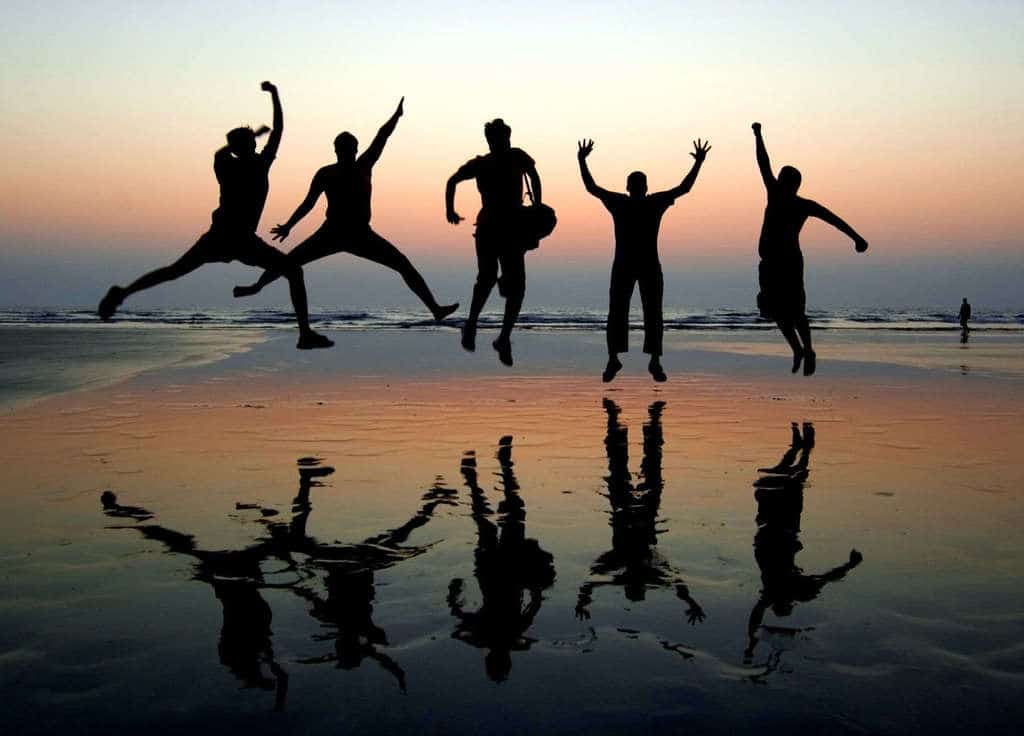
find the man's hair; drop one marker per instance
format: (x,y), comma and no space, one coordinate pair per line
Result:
(240,135)
(497,130)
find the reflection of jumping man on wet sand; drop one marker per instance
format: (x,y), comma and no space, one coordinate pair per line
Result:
(512,572)
(637,217)
(348,187)
(237,579)
(780,502)
(781,271)
(499,178)
(243,176)
(633,561)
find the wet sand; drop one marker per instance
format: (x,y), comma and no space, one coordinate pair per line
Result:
(396,536)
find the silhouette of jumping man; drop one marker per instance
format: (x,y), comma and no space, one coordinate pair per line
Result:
(637,217)
(499,178)
(512,572)
(781,271)
(633,561)
(243,176)
(780,501)
(348,186)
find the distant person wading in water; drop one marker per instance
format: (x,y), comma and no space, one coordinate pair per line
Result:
(781,271)
(348,187)
(243,176)
(637,217)
(499,241)
(965,314)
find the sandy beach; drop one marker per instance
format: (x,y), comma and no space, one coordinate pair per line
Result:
(396,535)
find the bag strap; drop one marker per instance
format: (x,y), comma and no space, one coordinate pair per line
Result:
(529,189)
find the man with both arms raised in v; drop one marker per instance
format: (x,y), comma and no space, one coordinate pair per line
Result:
(637,218)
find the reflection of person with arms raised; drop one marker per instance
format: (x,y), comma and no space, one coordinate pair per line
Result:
(781,272)
(637,218)
(634,562)
(780,498)
(512,572)
(499,240)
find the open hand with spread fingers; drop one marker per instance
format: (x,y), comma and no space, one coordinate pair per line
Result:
(700,150)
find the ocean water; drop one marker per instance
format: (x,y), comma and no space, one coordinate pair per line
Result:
(534,318)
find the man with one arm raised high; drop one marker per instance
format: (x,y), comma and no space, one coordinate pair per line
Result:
(348,186)
(243,176)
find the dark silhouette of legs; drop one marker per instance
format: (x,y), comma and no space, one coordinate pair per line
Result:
(377,249)
(221,247)
(803,327)
(316,246)
(263,255)
(652,288)
(193,258)
(513,280)
(367,244)
(620,292)
(788,329)
(486,278)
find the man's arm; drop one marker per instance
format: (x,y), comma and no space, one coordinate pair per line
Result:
(316,188)
(376,148)
(825,214)
(838,573)
(700,152)
(274,142)
(584,149)
(762,158)
(464,173)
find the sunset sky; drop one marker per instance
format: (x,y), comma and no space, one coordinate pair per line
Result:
(907,119)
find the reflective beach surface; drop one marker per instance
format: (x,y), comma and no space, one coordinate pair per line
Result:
(376,543)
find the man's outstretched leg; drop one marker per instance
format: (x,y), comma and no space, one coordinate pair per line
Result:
(486,278)
(513,274)
(193,258)
(318,245)
(265,256)
(375,248)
